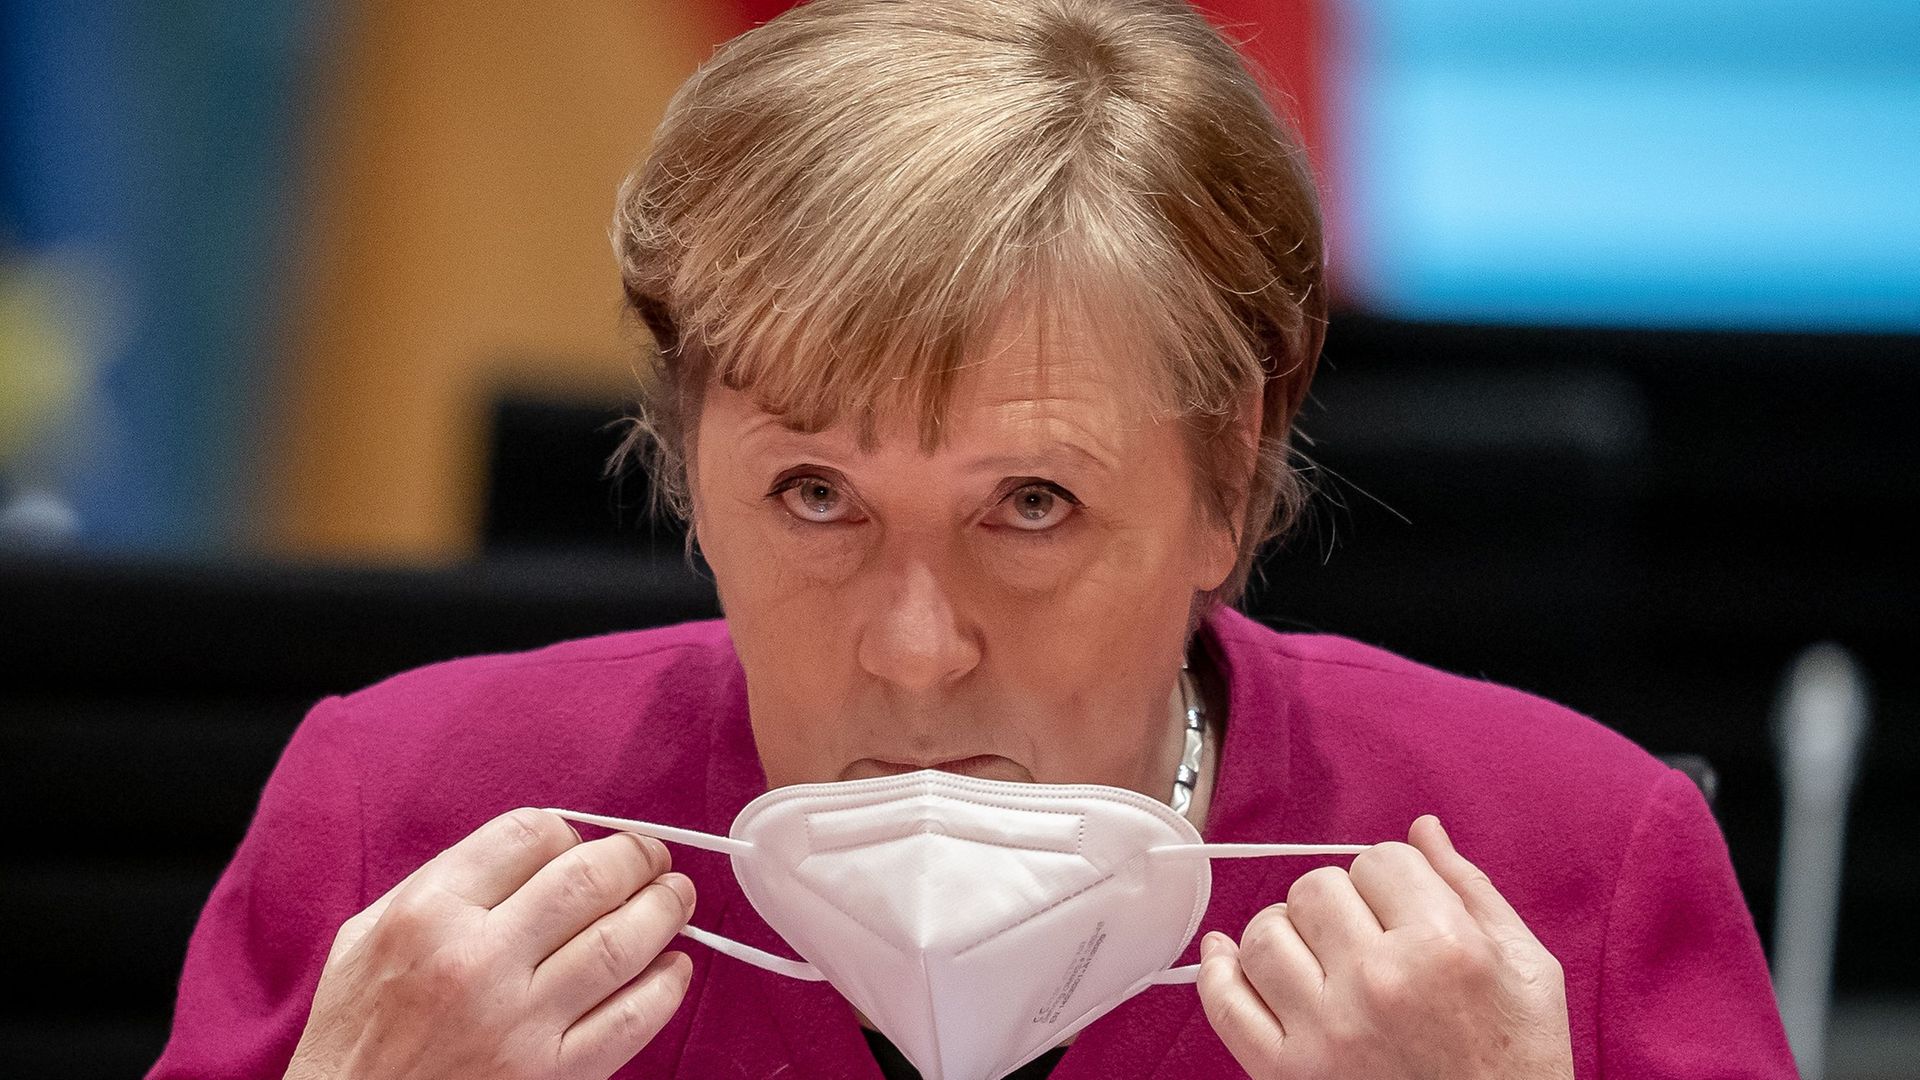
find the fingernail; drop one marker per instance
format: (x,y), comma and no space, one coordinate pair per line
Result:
(682,886)
(1210,944)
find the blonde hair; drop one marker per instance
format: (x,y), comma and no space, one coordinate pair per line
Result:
(843,204)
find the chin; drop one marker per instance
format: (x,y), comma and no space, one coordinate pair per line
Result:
(983,766)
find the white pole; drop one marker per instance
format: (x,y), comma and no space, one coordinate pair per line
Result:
(1821,720)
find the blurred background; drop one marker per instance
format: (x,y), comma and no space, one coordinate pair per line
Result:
(311,337)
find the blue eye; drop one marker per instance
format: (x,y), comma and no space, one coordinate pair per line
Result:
(1036,507)
(815,499)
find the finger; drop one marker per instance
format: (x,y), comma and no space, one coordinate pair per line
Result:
(1239,1015)
(1332,918)
(608,1037)
(1468,882)
(1277,962)
(493,861)
(1404,890)
(617,947)
(582,884)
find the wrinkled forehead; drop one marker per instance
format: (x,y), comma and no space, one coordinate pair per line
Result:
(1034,357)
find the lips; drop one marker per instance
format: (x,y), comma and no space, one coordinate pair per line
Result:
(982,766)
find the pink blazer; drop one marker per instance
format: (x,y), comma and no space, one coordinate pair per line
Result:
(1614,860)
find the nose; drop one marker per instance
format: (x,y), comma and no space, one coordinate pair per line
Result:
(917,639)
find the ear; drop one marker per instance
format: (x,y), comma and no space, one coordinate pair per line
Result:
(695,448)
(1221,546)
(694,503)
(1221,551)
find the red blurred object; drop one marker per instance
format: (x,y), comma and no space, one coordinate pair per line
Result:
(754,12)
(1287,40)
(1283,37)
(1290,41)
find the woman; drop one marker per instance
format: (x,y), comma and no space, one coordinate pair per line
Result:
(981,331)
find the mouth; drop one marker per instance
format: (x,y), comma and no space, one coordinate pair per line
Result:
(981,766)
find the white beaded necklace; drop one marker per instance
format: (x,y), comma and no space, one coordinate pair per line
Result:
(1188,774)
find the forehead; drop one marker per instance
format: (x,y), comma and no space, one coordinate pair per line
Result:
(1034,371)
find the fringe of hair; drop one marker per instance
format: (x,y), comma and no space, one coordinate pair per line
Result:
(842,206)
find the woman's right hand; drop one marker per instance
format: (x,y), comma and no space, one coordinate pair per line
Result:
(518,952)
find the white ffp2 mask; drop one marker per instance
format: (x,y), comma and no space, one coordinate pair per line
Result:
(976,923)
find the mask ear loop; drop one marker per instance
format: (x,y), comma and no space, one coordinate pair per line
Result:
(760,958)
(1191,972)
(725,845)
(1249,851)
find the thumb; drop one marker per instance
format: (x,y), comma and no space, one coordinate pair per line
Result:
(1475,889)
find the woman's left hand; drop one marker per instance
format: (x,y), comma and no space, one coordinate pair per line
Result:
(1411,964)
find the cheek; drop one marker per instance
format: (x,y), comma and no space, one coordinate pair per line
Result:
(788,619)
(800,686)
(1106,634)
(1117,609)
(790,610)
(794,637)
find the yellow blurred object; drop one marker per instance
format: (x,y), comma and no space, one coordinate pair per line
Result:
(48,345)
(457,244)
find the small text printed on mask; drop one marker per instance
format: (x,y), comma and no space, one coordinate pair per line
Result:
(1082,956)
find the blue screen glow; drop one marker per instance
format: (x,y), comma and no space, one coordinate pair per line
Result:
(1632,162)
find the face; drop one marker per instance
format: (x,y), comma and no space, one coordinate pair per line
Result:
(1011,605)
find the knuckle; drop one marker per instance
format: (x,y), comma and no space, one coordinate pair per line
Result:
(581,880)
(536,830)
(1462,958)
(1386,987)
(406,926)
(1314,885)
(635,1018)
(1550,964)
(1262,934)
(1342,1033)
(451,974)
(357,926)
(1543,968)
(641,1016)
(610,952)
(1391,857)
